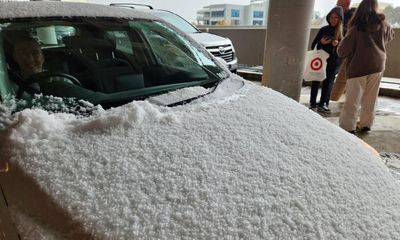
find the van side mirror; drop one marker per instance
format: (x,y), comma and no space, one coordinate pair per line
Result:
(222,62)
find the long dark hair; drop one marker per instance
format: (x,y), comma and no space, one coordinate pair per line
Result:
(366,16)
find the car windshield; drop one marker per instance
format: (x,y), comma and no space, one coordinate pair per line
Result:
(177,21)
(102,61)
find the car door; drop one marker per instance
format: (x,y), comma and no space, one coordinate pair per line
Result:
(7,228)
(28,201)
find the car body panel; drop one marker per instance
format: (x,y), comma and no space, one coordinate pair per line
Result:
(237,161)
(247,163)
(7,228)
(209,40)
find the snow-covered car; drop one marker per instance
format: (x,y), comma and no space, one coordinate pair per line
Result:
(221,47)
(181,149)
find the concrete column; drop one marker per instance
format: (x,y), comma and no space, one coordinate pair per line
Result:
(287,37)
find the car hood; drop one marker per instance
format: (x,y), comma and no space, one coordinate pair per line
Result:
(208,40)
(241,162)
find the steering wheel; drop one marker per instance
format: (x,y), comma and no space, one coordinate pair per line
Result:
(38,77)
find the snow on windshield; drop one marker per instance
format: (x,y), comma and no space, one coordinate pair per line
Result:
(242,162)
(5,116)
(52,104)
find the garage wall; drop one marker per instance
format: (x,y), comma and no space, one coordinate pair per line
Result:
(249,44)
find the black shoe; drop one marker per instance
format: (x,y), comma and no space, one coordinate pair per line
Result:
(323,109)
(352,132)
(365,129)
(313,106)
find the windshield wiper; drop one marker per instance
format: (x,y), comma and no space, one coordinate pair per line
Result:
(197,97)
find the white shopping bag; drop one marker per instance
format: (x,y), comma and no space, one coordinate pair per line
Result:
(315,65)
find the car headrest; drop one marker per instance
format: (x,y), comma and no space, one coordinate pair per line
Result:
(93,48)
(77,42)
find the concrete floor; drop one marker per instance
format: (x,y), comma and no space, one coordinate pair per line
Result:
(385,134)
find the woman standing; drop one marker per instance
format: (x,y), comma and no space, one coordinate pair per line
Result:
(328,38)
(340,83)
(364,48)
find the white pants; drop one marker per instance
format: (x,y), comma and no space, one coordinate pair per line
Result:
(360,91)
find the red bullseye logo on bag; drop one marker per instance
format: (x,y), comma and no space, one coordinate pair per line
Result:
(316,64)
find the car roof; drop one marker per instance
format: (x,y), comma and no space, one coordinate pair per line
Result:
(39,9)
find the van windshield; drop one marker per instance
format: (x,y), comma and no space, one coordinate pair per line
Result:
(102,61)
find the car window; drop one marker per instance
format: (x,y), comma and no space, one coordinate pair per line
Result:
(177,21)
(103,61)
(174,50)
(5,87)
(122,41)
(63,31)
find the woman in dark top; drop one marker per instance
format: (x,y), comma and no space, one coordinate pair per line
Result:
(340,82)
(328,39)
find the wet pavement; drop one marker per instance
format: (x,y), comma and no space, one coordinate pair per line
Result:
(385,134)
(392,161)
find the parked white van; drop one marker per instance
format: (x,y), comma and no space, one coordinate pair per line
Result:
(219,46)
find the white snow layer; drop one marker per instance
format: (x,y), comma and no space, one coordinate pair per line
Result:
(35,9)
(243,162)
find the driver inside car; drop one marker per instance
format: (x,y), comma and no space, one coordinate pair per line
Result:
(29,60)
(29,57)
(31,78)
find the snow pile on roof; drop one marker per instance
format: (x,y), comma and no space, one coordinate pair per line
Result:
(26,9)
(243,162)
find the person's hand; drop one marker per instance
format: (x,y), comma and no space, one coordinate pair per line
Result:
(335,43)
(325,41)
